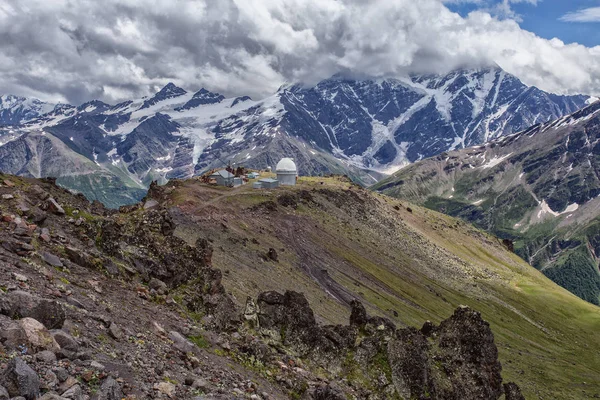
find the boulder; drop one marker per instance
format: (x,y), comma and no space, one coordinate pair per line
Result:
(73,393)
(46,356)
(4,393)
(19,304)
(466,349)
(20,380)
(166,388)
(110,390)
(29,335)
(65,340)
(358,315)
(39,192)
(51,259)
(115,332)
(158,285)
(181,343)
(53,206)
(409,361)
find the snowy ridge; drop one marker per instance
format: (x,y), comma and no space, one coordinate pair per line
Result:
(340,125)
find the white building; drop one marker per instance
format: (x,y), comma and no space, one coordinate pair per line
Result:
(286,172)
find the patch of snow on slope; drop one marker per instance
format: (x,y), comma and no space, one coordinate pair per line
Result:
(545,209)
(482,93)
(495,161)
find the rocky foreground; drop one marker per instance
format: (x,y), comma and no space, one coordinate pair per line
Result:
(89,310)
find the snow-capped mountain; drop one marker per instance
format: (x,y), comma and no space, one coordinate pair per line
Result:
(15,110)
(363,128)
(539,188)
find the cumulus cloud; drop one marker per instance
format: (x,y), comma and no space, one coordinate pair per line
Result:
(76,50)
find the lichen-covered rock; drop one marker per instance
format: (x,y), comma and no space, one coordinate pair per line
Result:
(410,364)
(469,357)
(289,319)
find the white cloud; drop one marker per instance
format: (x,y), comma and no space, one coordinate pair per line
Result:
(591,14)
(116,49)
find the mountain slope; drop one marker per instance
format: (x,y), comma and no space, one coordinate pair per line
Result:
(326,238)
(336,242)
(539,188)
(362,128)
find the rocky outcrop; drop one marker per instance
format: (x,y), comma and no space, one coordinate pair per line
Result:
(456,360)
(289,320)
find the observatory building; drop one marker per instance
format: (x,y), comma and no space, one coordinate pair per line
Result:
(286,172)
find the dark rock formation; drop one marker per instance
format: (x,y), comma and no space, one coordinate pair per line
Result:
(20,380)
(19,304)
(512,392)
(457,360)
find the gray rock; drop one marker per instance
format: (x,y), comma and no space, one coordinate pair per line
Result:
(22,304)
(54,207)
(200,384)
(73,393)
(181,343)
(97,366)
(20,380)
(115,332)
(51,379)
(110,390)
(61,373)
(39,192)
(46,356)
(65,340)
(51,259)
(28,335)
(4,393)
(19,277)
(158,285)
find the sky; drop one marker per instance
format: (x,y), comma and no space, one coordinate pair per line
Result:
(571,21)
(78,50)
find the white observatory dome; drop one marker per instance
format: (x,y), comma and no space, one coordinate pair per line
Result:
(286,172)
(286,165)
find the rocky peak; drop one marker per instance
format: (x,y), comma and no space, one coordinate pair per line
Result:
(170,91)
(16,110)
(94,106)
(202,97)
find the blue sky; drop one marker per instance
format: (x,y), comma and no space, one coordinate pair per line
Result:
(572,21)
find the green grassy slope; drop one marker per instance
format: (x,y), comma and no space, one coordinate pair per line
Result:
(335,241)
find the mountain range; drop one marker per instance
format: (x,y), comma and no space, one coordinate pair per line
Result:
(365,129)
(539,188)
